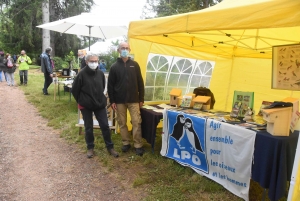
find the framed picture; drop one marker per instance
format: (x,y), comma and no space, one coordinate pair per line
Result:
(286,67)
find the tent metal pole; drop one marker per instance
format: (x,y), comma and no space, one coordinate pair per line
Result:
(89,36)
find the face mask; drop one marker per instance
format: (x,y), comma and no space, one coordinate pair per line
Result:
(93,65)
(124,53)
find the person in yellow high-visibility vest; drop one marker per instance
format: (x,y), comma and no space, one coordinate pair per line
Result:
(23,61)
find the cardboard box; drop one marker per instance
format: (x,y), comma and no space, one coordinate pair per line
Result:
(204,100)
(174,94)
(278,120)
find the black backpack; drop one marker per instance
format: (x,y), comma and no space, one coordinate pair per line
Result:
(203,91)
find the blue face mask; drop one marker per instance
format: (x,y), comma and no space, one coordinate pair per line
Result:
(124,53)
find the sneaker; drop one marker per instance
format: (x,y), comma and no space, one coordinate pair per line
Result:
(90,153)
(113,153)
(125,148)
(46,94)
(139,151)
(25,84)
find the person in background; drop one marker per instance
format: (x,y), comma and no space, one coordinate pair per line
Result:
(47,69)
(82,61)
(14,58)
(87,89)
(10,70)
(23,62)
(102,66)
(126,92)
(2,67)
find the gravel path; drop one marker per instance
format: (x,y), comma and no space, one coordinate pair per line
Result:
(36,164)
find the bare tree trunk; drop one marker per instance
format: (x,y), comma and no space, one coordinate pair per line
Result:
(205,3)
(46,33)
(52,33)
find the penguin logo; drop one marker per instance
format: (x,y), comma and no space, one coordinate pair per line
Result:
(178,131)
(192,136)
(184,126)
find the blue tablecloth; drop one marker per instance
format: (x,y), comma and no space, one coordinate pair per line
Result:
(150,120)
(273,162)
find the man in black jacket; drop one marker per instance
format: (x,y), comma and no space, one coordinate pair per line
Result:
(126,91)
(46,68)
(87,89)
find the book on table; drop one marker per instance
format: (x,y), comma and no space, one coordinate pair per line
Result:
(259,128)
(257,120)
(262,106)
(246,125)
(236,109)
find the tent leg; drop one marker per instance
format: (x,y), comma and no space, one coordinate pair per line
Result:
(264,195)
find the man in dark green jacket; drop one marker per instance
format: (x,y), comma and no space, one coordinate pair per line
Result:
(126,91)
(87,89)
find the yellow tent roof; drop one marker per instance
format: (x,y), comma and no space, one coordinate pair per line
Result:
(232,28)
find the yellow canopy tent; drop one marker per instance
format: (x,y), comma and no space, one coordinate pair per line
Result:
(237,35)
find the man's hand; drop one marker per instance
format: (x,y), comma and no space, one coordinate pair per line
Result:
(51,75)
(141,104)
(114,106)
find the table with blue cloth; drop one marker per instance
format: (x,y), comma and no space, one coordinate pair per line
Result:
(273,162)
(150,120)
(273,155)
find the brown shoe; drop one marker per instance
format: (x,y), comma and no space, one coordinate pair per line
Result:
(113,153)
(90,153)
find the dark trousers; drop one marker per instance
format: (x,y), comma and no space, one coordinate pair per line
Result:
(101,116)
(23,73)
(47,82)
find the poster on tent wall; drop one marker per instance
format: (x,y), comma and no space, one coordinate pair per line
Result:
(217,150)
(286,67)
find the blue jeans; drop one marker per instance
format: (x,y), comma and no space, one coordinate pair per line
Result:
(101,116)
(1,75)
(23,73)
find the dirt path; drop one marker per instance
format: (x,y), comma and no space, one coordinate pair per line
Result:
(36,164)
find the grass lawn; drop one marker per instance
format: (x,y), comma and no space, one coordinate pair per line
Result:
(159,177)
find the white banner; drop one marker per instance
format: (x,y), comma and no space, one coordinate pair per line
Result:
(219,151)
(230,151)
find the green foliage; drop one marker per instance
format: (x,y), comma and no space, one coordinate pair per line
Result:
(70,57)
(68,60)
(19,18)
(109,58)
(173,7)
(59,63)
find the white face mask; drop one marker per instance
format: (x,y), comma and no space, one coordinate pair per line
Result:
(93,65)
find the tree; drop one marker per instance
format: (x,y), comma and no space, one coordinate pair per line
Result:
(19,19)
(173,7)
(46,33)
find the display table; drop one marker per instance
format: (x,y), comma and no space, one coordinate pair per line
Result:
(150,120)
(273,155)
(58,81)
(273,162)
